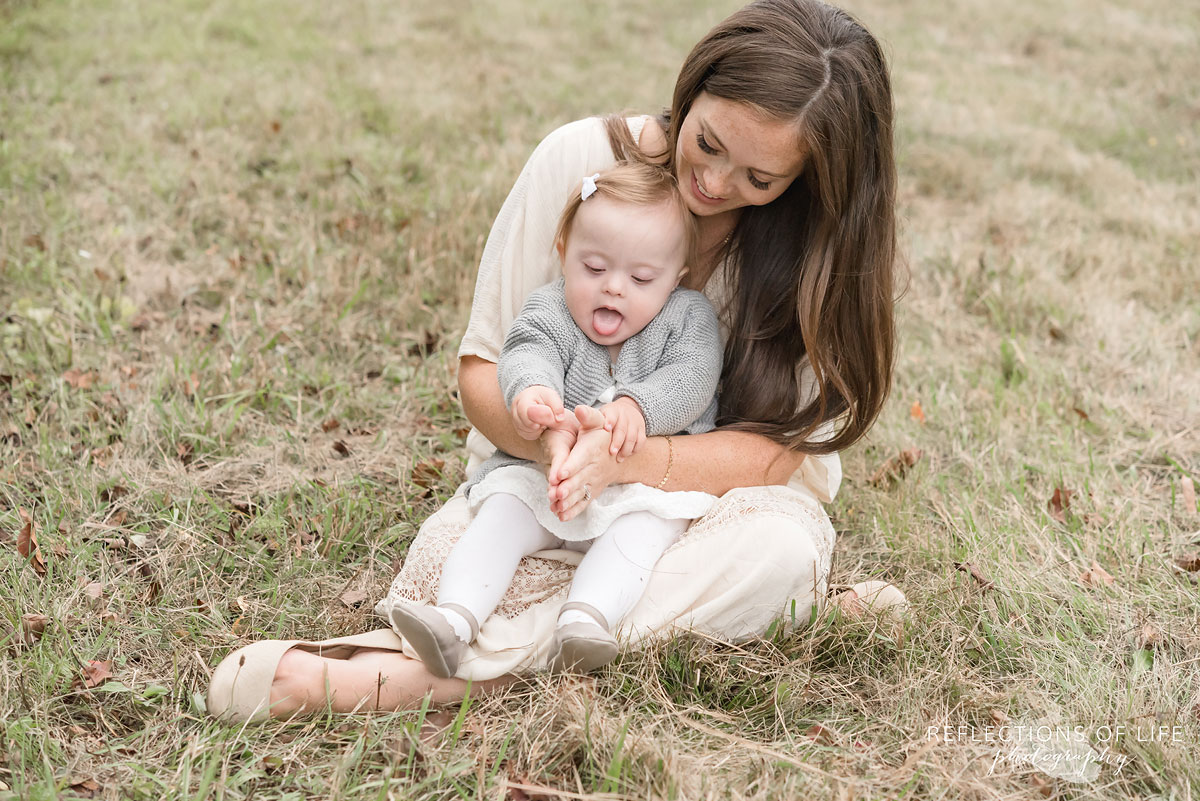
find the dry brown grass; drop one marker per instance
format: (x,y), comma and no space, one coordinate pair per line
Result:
(282,207)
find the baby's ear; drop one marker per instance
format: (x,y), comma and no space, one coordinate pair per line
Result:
(561,247)
(682,273)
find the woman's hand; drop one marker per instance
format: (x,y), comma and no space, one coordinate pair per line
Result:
(556,447)
(590,464)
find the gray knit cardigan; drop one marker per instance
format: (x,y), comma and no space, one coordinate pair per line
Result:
(670,367)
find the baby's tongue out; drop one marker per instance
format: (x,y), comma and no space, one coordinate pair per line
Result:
(606,322)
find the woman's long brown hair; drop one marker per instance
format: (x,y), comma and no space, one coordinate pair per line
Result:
(813,270)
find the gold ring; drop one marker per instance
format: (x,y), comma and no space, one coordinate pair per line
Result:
(587,492)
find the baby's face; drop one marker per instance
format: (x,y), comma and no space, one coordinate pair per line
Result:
(620,264)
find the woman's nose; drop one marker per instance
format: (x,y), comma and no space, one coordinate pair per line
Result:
(715,181)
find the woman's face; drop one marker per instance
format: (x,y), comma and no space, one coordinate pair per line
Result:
(731,155)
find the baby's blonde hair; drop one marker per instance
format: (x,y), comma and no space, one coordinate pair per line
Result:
(637,184)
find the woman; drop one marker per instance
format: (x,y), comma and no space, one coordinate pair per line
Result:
(780,134)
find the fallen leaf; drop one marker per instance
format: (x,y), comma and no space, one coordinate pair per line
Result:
(27,544)
(1189,561)
(461,432)
(1096,575)
(33,626)
(34,241)
(1187,491)
(113,493)
(79,379)
(1082,414)
(895,468)
(917,413)
(184,451)
(1150,636)
(974,572)
(427,344)
(1059,503)
(352,598)
(426,473)
(998,716)
(96,672)
(94,591)
(330,424)
(88,788)
(191,384)
(1042,786)
(341,448)
(821,734)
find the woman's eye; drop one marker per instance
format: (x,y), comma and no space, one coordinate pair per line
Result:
(757,184)
(704,145)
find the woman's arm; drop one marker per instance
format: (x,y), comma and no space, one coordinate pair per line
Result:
(715,462)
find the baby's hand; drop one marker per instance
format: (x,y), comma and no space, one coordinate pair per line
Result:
(535,409)
(624,419)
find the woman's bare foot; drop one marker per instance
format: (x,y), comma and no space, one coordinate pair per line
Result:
(370,679)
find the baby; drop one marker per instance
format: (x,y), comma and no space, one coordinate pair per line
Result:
(615,332)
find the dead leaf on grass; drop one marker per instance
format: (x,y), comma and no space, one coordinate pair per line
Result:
(87,788)
(94,591)
(190,385)
(974,572)
(894,468)
(27,544)
(330,424)
(426,473)
(183,450)
(1187,491)
(822,734)
(1189,561)
(79,379)
(33,626)
(352,598)
(1150,636)
(96,672)
(917,413)
(1095,575)
(1059,503)
(341,448)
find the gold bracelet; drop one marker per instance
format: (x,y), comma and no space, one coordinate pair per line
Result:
(670,462)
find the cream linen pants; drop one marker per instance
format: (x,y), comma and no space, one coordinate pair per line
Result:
(760,554)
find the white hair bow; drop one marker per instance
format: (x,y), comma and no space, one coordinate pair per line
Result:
(589,186)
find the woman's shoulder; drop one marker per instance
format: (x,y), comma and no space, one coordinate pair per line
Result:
(588,137)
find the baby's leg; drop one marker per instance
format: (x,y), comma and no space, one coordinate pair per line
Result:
(478,571)
(613,573)
(484,561)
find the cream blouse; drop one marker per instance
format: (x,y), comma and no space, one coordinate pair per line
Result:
(519,257)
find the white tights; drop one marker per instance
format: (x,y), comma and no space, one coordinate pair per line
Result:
(611,577)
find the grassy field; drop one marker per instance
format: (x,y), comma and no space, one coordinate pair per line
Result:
(237,243)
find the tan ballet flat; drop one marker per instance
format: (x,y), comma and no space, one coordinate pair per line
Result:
(240,689)
(582,647)
(432,636)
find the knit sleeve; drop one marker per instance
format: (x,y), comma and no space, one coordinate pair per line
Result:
(535,349)
(681,390)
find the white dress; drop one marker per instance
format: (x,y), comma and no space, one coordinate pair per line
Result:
(756,555)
